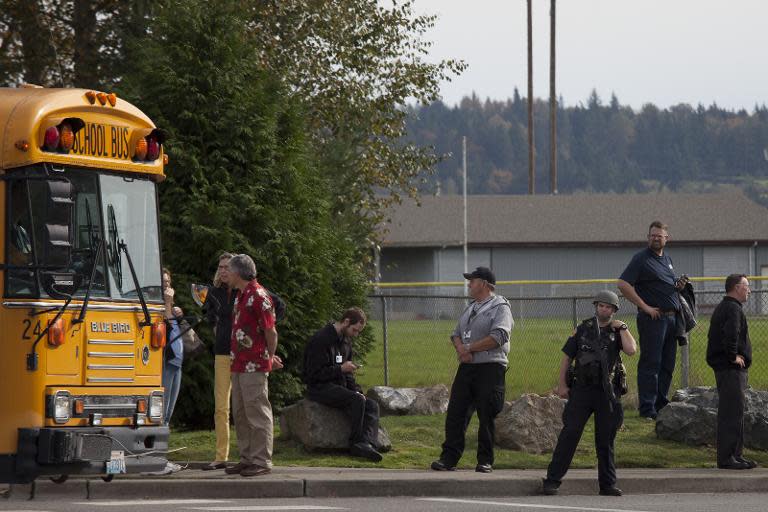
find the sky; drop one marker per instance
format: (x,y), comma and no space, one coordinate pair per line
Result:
(664,52)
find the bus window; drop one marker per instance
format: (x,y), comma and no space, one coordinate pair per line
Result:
(20,281)
(74,219)
(130,211)
(88,233)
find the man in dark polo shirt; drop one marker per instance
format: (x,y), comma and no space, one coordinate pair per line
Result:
(729,353)
(649,283)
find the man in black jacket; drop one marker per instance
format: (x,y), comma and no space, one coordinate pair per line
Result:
(329,374)
(729,353)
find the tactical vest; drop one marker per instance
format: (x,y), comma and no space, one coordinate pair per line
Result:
(598,360)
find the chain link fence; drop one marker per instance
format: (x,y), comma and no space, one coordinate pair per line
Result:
(413,347)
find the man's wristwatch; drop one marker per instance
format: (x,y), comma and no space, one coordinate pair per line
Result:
(622,327)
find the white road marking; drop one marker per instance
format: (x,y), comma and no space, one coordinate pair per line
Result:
(529,505)
(271,507)
(148,502)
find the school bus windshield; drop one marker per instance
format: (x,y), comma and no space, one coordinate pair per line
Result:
(73,220)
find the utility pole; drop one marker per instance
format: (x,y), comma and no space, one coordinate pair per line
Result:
(464,174)
(552,105)
(531,155)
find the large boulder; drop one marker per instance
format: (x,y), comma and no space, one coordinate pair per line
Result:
(687,423)
(691,417)
(319,427)
(410,401)
(530,424)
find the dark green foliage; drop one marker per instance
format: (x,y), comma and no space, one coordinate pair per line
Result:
(601,147)
(240,179)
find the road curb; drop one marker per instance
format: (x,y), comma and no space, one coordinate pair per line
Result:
(142,489)
(356,483)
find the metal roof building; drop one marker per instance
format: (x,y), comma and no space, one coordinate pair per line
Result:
(587,236)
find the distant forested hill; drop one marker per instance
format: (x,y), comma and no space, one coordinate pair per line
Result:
(602,147)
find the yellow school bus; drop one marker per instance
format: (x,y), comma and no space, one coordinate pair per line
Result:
(82,337)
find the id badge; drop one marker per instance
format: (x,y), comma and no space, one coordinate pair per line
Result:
(467,334)
(338,359)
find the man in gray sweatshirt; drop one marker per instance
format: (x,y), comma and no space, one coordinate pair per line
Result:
(481,340)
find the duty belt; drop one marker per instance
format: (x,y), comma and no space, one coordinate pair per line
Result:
(662,312)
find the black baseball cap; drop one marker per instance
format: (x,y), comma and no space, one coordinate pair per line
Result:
(483,273)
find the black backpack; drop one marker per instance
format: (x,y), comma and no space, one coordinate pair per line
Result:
(278,304)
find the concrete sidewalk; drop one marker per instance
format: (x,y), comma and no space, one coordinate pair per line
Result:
(295,482)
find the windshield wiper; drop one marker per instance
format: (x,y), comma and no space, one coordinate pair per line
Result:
(147,320)
(81,317)
(113,249)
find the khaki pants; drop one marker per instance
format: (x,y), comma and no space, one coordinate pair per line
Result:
(221,391)
(253,417)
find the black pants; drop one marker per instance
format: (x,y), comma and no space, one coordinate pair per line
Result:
(581,404)
(362,411)
(478,387)
(731,385)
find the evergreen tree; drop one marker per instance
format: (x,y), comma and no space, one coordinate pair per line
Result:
(240,179)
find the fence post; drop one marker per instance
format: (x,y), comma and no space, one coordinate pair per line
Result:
(685,365)
(386,340)
(573,312)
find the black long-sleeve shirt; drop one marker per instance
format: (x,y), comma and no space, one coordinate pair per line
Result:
(323,356)
(728,336)
(218,310)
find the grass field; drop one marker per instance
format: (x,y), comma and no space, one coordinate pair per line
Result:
(420,354)
(416,442)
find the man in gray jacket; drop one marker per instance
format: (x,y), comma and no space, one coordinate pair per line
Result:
(481,340)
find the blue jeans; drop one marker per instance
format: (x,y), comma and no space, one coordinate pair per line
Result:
(658,350)
(172,384)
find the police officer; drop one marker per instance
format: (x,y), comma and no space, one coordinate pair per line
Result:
(593,385)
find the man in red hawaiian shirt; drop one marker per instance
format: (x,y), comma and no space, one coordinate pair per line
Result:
(253,345)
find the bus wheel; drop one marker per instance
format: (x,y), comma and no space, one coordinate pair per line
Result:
(59,479)
(108,478)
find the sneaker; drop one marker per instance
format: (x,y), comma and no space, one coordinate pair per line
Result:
(365,451)
(254,470)
(610,491)
(169,468)
(749,462)
(549,488)
(484,468)
(440,465)
(236,469)
(214,465)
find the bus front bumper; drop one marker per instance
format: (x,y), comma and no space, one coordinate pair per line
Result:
(85,451)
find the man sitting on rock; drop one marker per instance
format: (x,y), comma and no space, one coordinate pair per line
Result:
(329,374)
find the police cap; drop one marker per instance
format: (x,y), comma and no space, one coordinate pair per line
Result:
(607,297)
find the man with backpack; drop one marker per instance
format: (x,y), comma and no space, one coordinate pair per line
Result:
(329,374)
(593,385)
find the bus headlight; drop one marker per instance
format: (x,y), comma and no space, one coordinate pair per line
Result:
(156,406)
(62,406)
